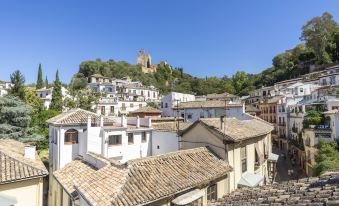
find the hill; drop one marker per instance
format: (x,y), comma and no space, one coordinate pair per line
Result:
(319,48)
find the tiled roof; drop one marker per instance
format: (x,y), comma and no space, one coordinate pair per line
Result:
(149,179)
(222,95)
(74,173)
(205,104)
(250,108)
(274,99)
(44,89)
(170,126)
(14,166)
(235,129)
(147,110)
(75,117)
(323,190)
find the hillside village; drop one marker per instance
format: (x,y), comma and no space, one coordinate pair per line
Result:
(116,140)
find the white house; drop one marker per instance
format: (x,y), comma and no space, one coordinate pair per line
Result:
(116,107)
(334,122)
(193,111)
(4,87)
(169,101)
(45,95)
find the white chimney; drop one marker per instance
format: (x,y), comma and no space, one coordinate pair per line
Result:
(30,152)
(89,121)
(138,122)
(222,123)
(149,122)
(101,121)
(123,121)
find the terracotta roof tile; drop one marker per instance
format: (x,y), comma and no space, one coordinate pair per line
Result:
(323,190)
(14,166)
(145,180)
(147,110)
(205,104)
(170,126)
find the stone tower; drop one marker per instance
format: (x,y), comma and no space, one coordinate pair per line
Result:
(145,60)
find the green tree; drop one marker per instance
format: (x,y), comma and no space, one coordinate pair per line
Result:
(39,121)
(57,103)
(39,82)
(327,157)
(46,83)
(18,81)
(15,120)
(313,117)
(317,33)
(33,100)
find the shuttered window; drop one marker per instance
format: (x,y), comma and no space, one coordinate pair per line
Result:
(243,159)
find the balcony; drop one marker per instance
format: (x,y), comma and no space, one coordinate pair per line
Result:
(282,124)
(298,144)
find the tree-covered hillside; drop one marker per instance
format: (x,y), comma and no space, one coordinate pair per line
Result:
(319,46)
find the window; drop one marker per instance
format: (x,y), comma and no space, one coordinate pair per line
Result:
(212,192)
(71,137)
(143,137)
(131,105)
(162,105)
(166,105)
(189,116)
(103,110)
(112,109)
(123,107)
(140,105)
(114,140)
(243,159)
(130,138)
(149,94)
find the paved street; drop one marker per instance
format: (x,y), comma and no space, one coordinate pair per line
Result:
(285,170)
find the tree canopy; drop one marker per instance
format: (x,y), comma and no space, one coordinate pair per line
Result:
(57,102)
(18,81)
(39,82)
(15,120)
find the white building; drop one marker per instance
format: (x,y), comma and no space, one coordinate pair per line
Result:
(115,107)
(169,101)
(45,95)
(334,122)
(4,87)
(193,111)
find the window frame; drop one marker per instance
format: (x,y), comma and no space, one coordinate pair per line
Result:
(71,139)
(116,143)
(143,137)
(130,137)
(212,192)
(243,160)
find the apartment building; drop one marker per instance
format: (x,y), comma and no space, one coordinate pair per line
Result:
(245,144)
(168,102)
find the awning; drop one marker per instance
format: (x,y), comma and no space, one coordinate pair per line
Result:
(250,180)
(188,197)
(7,200)
(273,157)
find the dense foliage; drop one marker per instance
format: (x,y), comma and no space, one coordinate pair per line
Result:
(15,120)
(313,117)
(327,157)
(320,47)
(57,103)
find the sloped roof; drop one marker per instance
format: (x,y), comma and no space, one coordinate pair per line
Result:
(14,166)
(73,117)
(321,190)
(74,173)
(205,104)
(147,110)
(149,179)
(250,108)
(170,126)
(222,95)
(235,129)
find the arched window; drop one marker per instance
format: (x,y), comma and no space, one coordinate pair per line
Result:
(71,136)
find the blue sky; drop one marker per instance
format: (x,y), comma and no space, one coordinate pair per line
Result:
(206,38)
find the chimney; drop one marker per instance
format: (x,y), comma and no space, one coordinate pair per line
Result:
(123,120)
(101,121)
(222,123)
(89,121)
(29,152)
(138,122)
(149,122)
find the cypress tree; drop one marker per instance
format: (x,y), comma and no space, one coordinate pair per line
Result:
(39,82)
(46,83)
(57,103)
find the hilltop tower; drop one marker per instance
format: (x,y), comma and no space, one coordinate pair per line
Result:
(145,60)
